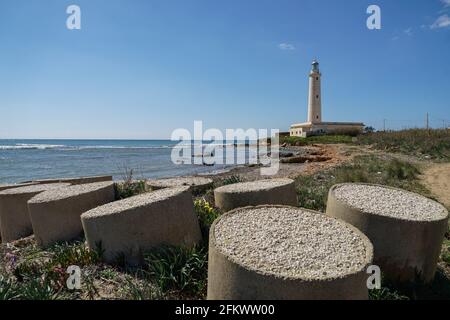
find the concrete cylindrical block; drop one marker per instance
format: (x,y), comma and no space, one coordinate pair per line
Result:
(13,186)
(129,227)
(85,180)
(75,181)
(197,184)
(280,252)
(15,220)
(406,229)
(270,191)
(56,214)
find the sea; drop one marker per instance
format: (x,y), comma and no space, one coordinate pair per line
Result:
(24,160)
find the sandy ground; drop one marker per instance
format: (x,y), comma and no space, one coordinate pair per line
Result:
(436,178)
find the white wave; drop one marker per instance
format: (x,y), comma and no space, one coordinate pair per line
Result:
(26,146)
(117,147)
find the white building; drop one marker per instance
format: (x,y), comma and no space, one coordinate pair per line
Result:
(315,125)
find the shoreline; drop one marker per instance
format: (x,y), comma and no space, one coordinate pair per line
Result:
(335,153)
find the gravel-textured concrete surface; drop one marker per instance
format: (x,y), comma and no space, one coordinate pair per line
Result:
(33,188)
(268,191)
(406,229)
(12,186)
(390,202)
(15,222)
(77,180)
(129,227)
(134,202)
(292,243)
(197,184)
(254,185)
(69,192)
(56,214)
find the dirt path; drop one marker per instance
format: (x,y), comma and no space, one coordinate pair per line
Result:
(338,154)
(437,179)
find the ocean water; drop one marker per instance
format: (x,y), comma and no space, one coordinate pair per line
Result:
(23,160)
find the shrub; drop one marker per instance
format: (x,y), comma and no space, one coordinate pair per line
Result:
(39,288)
(386,294)
(231,180)
(140,290)
(130,188)
(7,289)
(446,256)
(312,194)
(66,254)
(48,270)
(178,268)
(401,170)
(206,216)
(434,143)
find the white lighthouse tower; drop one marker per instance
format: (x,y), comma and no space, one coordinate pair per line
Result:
(315,125)
(315,97)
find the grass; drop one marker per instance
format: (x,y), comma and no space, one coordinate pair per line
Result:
(32,289)
(179,269)
(385,293)
(206,214)
(422,143)
(231,180)
(41,274)
(130,188)
(445,256)
(325,139)
(433,143)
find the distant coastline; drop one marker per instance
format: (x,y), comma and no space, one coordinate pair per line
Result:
(28,159)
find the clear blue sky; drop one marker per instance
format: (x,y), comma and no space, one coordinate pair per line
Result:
(141,68)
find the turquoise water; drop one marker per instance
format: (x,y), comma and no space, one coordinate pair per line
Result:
(22,160)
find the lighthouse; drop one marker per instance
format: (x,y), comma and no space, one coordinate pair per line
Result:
(314,124)
(315,97)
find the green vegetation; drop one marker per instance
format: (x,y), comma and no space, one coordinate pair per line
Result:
(446,249)
(130,188)
(325,139)
(433,143)
(41,275)
(386,293)
(206,215)
(179,269)
(423,143)
(231,180)
(34,289)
